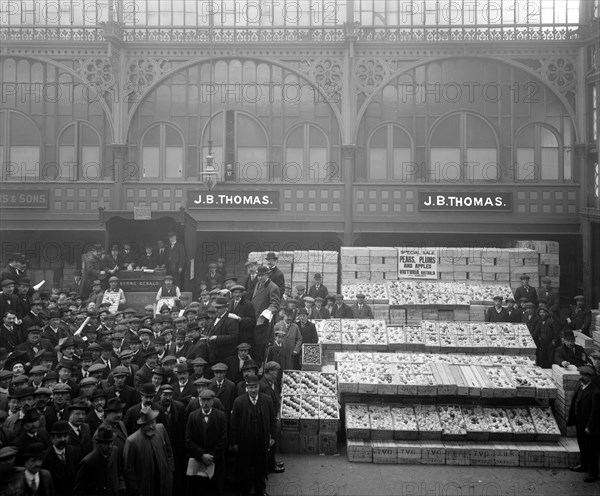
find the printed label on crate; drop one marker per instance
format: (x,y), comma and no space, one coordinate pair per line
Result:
(417,263)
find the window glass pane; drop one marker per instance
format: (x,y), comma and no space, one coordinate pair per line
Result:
(547,137)
(445,164)
(377,163)
(23,131)
(150,161)
(482,164)
(317,138)
(401,139)
(403,169)
(67,137)
(526,136)
(90,162)
(174,161)
(249,132)
(152,137)
(379,138)
(549,162)
(525,167)
(294,155)
(25,163)
(317,168)
(479,133)
(447,133)
(252,164)
(88,136)
(296,137)
(172,137)
(67,163)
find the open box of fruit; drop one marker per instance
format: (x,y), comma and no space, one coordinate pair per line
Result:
(452,422)
(545,424)
(521,423)
(498,424)
(475,423)
(405,423)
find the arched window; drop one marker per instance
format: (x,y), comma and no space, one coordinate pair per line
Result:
(463,147)
(239,146)
(162,152)
(539,154)
(390,153)
(19,147)
(79,152)
(307,155)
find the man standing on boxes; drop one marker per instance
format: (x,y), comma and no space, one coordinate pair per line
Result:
(585,416)
(496,313)
(580,318)
(266,300)
(360,310)
(252,435)
(274,273)
(526,291)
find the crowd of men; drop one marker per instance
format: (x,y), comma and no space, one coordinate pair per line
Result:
(181,399)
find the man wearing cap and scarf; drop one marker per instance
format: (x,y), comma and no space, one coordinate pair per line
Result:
(61,460)
(569,353)
(148,458)
(175,259)
(253,424)
(584,414)
(98,473)
(206,441)
(580,318)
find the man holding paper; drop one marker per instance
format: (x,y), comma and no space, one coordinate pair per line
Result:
(265,300)
(206,442)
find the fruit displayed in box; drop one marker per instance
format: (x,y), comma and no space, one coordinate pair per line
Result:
(309,407)
(544,421)
(291,382)
(520,420)
(497,420)
(329,408)
(404,418)
(327,384)
(374,292)
(329,331)
(357,416)
(451,420)
(309,382)
(380,418)
(427,418)
(290,407)
(474,419)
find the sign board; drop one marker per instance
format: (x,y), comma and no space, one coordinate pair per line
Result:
(465,202)
(142,213)
(112,299)
(25,198)
(417,263)
(232,200)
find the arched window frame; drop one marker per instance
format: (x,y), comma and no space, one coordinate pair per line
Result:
(490,171)
(17,173)
(535,173)
(309,170)
(162,159)
(247,171)
(390,175)
(82,171)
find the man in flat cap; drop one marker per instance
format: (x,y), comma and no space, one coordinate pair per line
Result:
(549,295)
(546,336)
(120,389)
(242,307)
(569,353)
(360,310)
(148,458)
(268,385)
(34,344)
(526,291)
(236,362)
(223,388)
(580,318)
(253,424)
(15,269)
(584,414)
(340,310)
(206,442)
(80,435)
